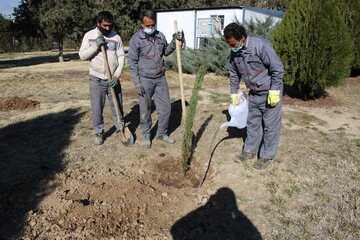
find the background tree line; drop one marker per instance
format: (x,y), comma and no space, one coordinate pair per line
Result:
(39,23)
(318,40)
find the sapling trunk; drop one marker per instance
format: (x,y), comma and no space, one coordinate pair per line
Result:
(190,117)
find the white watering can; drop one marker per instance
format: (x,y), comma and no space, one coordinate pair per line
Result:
(238,113)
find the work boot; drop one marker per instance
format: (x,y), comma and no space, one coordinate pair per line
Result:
(146,143)
(244,157)
(262,163)
(99,139)
(166,138)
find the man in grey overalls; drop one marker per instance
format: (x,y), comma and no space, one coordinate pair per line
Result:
(255,60)
(147,48)
(99,84)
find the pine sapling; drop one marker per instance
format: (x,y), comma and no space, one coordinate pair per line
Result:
(190,117)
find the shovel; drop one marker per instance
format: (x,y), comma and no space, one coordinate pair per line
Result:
(126,136)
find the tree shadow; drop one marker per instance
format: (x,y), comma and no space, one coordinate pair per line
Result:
(219,218)
(196,137)
(30,61)
(233,132)
(31,155)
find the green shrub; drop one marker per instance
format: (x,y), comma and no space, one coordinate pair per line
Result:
(314,45)
(351,12)
(187,143)
(217,50)
(260,28)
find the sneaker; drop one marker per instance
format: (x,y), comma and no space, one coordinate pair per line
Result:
(262,163)
(99,139)
(146,143)
(244,157)
(166,138)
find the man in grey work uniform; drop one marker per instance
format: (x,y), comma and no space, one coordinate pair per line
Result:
(99,85)
(254,60)
(147,48)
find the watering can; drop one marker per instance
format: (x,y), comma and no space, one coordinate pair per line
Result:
(238,113)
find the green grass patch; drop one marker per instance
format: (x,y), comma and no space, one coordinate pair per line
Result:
(220,98)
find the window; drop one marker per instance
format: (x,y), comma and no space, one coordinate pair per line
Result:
(217,24)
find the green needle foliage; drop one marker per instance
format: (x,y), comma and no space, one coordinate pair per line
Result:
(187,143)
(314,45)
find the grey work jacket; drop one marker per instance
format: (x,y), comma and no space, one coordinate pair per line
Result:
(146,54)
(258,65)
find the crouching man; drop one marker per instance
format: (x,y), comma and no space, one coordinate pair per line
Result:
(255,61)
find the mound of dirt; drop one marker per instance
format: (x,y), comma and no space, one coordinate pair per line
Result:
(172,175)
(319,102)
(17,103)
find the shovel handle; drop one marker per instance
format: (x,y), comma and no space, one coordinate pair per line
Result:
(178,56)
(113,94)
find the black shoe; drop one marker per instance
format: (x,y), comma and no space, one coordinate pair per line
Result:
(244,157)
(262,163)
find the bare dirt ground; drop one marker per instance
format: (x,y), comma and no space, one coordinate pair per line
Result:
(56,184)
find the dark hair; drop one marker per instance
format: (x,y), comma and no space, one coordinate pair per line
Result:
(234,30)
(148,13)
(104,15)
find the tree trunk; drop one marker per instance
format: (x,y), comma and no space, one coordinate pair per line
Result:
(61,50)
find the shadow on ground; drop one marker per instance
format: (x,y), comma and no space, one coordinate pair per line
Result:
(133,118)
(233,131)
(219,218)
(30,61)
(31,155)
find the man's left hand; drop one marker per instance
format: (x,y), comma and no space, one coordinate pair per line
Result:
(273,97)
(113,82)
(178,36)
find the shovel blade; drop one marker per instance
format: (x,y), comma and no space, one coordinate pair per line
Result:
(126,137)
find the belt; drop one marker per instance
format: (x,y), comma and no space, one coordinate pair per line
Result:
(261,92)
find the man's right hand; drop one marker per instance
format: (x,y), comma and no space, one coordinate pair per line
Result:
(234,99)
(140,89)
(100,41)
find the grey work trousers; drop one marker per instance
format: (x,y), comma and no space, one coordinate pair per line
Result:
(263,127)
(98,92)
(157,89)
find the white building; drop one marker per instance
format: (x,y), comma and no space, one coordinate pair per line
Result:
(199,24)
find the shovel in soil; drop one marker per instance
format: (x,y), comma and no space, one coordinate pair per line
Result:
(126,137)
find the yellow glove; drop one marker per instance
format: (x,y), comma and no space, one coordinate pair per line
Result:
(273,97)
(234,99)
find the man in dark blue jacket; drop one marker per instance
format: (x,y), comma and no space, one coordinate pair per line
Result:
(254,60)
(147,48)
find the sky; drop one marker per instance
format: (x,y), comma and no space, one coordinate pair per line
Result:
(6,7)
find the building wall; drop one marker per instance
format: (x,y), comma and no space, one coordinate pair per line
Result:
(188,20)
(185,19)
(248,15)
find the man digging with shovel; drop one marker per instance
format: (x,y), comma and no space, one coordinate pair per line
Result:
(99,83)
(146,54)
(256,62)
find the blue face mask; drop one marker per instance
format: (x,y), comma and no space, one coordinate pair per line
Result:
(149,31)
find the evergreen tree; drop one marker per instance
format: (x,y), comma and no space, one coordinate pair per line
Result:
(315,46)
(351,11)
(6,35)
